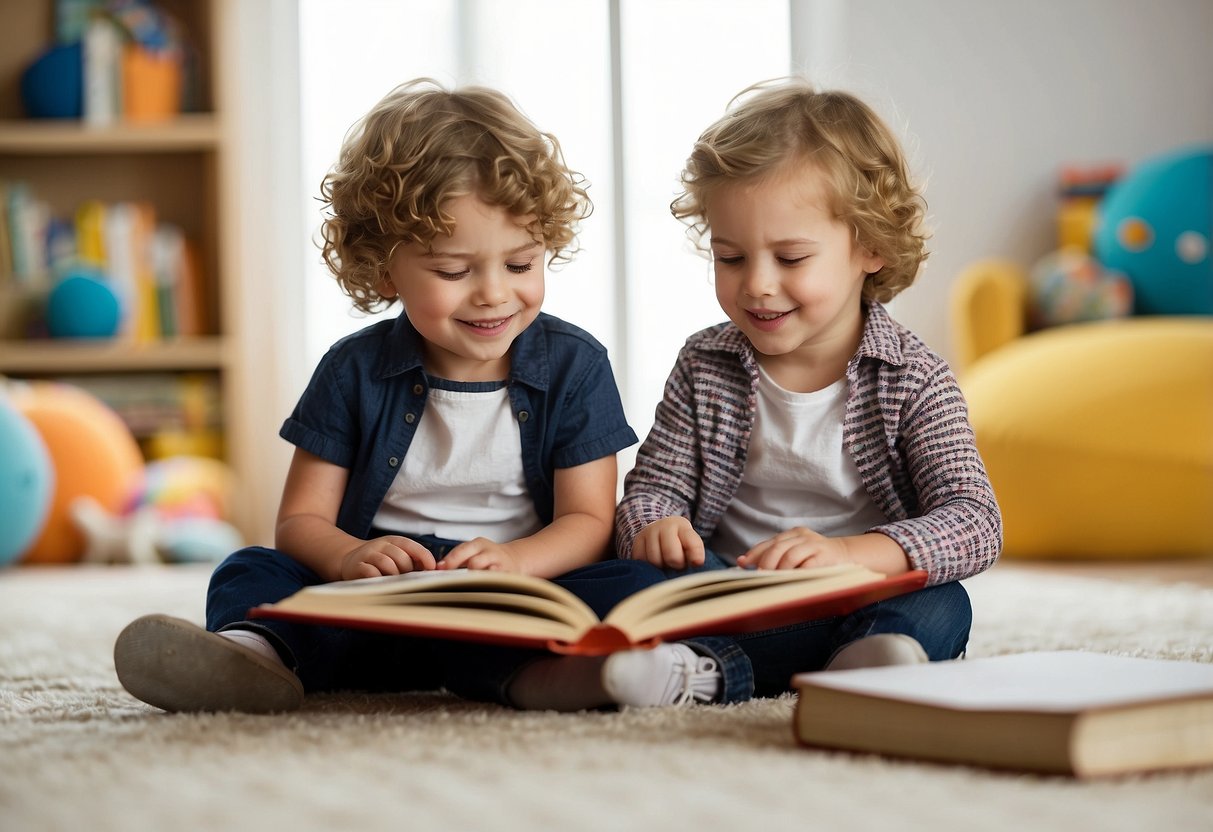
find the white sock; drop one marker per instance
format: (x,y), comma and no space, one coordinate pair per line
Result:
(254,641)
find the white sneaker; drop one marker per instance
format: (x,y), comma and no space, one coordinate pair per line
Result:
(878,651)
(669,674)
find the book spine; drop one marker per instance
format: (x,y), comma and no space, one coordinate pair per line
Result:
(102,65)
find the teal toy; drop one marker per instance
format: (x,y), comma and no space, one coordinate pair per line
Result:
(82,305)
(1155,227)
(26,483)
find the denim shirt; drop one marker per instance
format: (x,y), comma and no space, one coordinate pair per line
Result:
(364,402)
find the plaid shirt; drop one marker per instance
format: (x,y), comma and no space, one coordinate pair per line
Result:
(906,427)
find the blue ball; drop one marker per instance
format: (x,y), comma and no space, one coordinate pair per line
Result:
(52,86)
(82,305)
(26,483)
(1155,226)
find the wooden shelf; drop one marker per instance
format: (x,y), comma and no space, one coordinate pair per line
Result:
(196,131)
(52,357)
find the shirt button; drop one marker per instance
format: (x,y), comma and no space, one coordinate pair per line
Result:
(523,416)
(393,461)
(410,418)
(418,389)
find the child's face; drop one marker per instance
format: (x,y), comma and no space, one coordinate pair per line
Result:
(788,274)
(472,293)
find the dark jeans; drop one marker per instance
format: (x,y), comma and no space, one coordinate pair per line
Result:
(338,658)
(763,663)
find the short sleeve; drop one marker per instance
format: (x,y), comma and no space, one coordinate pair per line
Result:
(322,422)
(592,423)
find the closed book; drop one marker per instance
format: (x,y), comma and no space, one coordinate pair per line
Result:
(1066,712)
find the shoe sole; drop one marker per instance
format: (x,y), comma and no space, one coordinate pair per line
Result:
(178,666)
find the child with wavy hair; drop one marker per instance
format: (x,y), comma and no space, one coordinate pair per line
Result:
(812,428)
(471,431)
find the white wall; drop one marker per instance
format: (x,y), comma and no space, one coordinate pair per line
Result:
(995,96)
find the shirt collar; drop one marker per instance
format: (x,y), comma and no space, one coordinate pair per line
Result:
(880,336)
(528,354)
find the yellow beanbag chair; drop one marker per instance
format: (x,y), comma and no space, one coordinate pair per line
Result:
(1098,437)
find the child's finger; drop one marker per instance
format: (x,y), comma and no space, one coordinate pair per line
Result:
(409,554)
(670,544)
(692,545)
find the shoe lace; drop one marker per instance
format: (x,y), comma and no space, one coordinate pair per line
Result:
(698,683)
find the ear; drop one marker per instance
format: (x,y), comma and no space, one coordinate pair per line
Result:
(872,262)
(385,287)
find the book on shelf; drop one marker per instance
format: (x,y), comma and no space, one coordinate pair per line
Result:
(522,610)
(1066,712)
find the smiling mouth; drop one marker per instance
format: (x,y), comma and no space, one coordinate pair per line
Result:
(765,319)
(488,327)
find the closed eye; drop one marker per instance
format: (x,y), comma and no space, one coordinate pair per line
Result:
(520,268)
(452,275)
(792,261)
(729,260)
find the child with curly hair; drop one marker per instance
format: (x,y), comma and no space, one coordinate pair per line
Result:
(471,431)
(812,428)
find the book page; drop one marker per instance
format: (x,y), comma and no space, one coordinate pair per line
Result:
(703,596)
(454,588)
(1061,681)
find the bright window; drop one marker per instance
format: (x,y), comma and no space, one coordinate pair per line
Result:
(625,85)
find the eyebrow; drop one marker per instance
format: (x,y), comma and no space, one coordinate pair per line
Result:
(789,241)
(527,246)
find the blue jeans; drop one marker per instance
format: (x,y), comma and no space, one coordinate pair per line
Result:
(763,663)
(338,658)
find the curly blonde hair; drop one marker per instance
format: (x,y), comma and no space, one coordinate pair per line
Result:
(774,124)
(423,145)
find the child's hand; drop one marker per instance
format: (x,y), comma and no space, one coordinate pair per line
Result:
(481,553)
(389,555)
(670,542)
(796,548)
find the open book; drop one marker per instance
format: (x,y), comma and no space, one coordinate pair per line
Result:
(507,608)
(1065,712)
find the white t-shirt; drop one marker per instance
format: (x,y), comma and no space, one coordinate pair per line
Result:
(797,472)
(462,476)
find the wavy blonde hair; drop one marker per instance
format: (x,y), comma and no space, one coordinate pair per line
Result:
(423,145)
(775,124)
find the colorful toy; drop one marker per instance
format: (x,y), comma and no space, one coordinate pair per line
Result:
(1070,286)
(92,452)
(184,486)
(146,536)
(26,481)
(82,305)
(1080,190)
(176,511)
(1155,227)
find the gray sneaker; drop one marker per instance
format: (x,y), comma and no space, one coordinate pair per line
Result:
(877,651)
(178,666)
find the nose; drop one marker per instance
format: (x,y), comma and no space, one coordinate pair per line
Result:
(758,280)
(492,288)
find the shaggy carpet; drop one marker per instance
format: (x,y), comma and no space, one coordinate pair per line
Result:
(78,753)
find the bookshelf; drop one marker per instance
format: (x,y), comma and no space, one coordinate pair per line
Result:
(181,167)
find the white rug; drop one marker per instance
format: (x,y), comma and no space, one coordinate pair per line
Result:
(78,753)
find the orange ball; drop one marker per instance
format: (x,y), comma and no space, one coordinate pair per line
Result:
(92,452)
